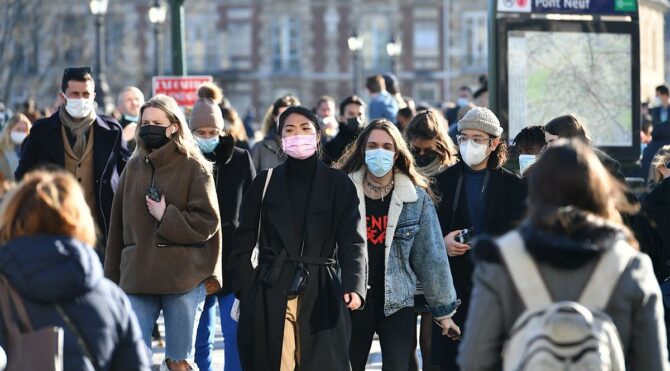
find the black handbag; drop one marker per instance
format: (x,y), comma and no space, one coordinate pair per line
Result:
(301,275)
(300,279)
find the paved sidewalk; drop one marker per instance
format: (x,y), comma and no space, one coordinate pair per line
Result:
(374,360)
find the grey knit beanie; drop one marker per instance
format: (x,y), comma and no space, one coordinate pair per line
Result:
(482,119)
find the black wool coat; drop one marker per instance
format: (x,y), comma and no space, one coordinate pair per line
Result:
(233,173)
(656,205)
(330,232)
(44,146)
(504,207)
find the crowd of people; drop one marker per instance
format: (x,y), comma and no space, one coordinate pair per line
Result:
(341,222)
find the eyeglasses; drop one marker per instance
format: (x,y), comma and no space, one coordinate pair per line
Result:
(461,139)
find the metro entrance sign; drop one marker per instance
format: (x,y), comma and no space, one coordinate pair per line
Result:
(604,7)
(184,89)
(549,58)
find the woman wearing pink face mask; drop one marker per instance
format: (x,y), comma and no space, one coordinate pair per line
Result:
(303,217)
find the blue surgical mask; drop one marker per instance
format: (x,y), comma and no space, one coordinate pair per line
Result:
(130,118)
(462,102)
(207,145)
(525,161)
(379,161)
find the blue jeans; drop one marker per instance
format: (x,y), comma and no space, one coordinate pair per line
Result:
(204,342)
(181,312)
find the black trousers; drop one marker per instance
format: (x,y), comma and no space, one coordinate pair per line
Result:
(395,335)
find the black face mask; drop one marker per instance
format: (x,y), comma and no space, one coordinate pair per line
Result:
(424,160)
(353,124)
(154,136)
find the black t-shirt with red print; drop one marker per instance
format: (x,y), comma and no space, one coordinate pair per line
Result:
(376,221)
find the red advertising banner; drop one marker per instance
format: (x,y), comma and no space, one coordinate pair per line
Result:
(184,89)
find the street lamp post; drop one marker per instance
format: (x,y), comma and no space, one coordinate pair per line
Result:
(99,10)
(394,49)
(157,15)
(177,22)
(355,43)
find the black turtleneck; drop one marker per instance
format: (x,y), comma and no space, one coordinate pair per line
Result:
(300,176)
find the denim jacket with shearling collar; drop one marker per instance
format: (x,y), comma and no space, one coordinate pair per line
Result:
(414,248)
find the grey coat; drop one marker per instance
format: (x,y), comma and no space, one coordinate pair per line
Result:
(267,154)
(566,261)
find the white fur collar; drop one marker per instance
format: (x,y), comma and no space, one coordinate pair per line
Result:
(404,189)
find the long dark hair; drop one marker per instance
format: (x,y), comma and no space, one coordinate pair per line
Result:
(567,126)
(569,174)
(429,125)
(354,157)
(498,158)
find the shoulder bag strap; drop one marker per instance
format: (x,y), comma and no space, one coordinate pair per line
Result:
(457,199)
(523,271)
(606,275)
(255,252)
(80,339)
(9,299)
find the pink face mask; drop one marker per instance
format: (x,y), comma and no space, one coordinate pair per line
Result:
(299,147)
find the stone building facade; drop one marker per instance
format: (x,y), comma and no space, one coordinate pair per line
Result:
(260,49)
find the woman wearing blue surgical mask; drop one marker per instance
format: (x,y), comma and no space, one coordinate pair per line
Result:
(404,242)
(479,195)
(233,173)
(11,138)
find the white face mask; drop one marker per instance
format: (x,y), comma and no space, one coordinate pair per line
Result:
(78,108)
(525,161)
(473,153)
(17,136)
(462,102)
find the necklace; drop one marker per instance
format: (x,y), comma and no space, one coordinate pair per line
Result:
(380,190)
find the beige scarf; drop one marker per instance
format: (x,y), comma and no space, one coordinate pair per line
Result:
(78,128)
(432,169)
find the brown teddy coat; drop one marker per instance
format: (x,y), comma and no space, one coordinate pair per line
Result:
(144,256)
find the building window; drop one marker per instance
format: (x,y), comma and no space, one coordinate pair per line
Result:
(237,41)
(286,44)
(375,36)
(427,92)
(475,40)
(426,42)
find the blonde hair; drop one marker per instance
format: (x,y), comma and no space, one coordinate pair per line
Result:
(49,203)
(662,157)
(183,138)
(6,143)
(235,124)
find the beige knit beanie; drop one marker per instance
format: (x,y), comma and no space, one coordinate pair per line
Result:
(482,119)
(206,112)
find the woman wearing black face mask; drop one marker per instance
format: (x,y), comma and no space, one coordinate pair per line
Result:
(433,153)
(164,240)
(432,148)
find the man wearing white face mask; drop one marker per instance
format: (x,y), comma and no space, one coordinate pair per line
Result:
(84,143)
(479,195)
